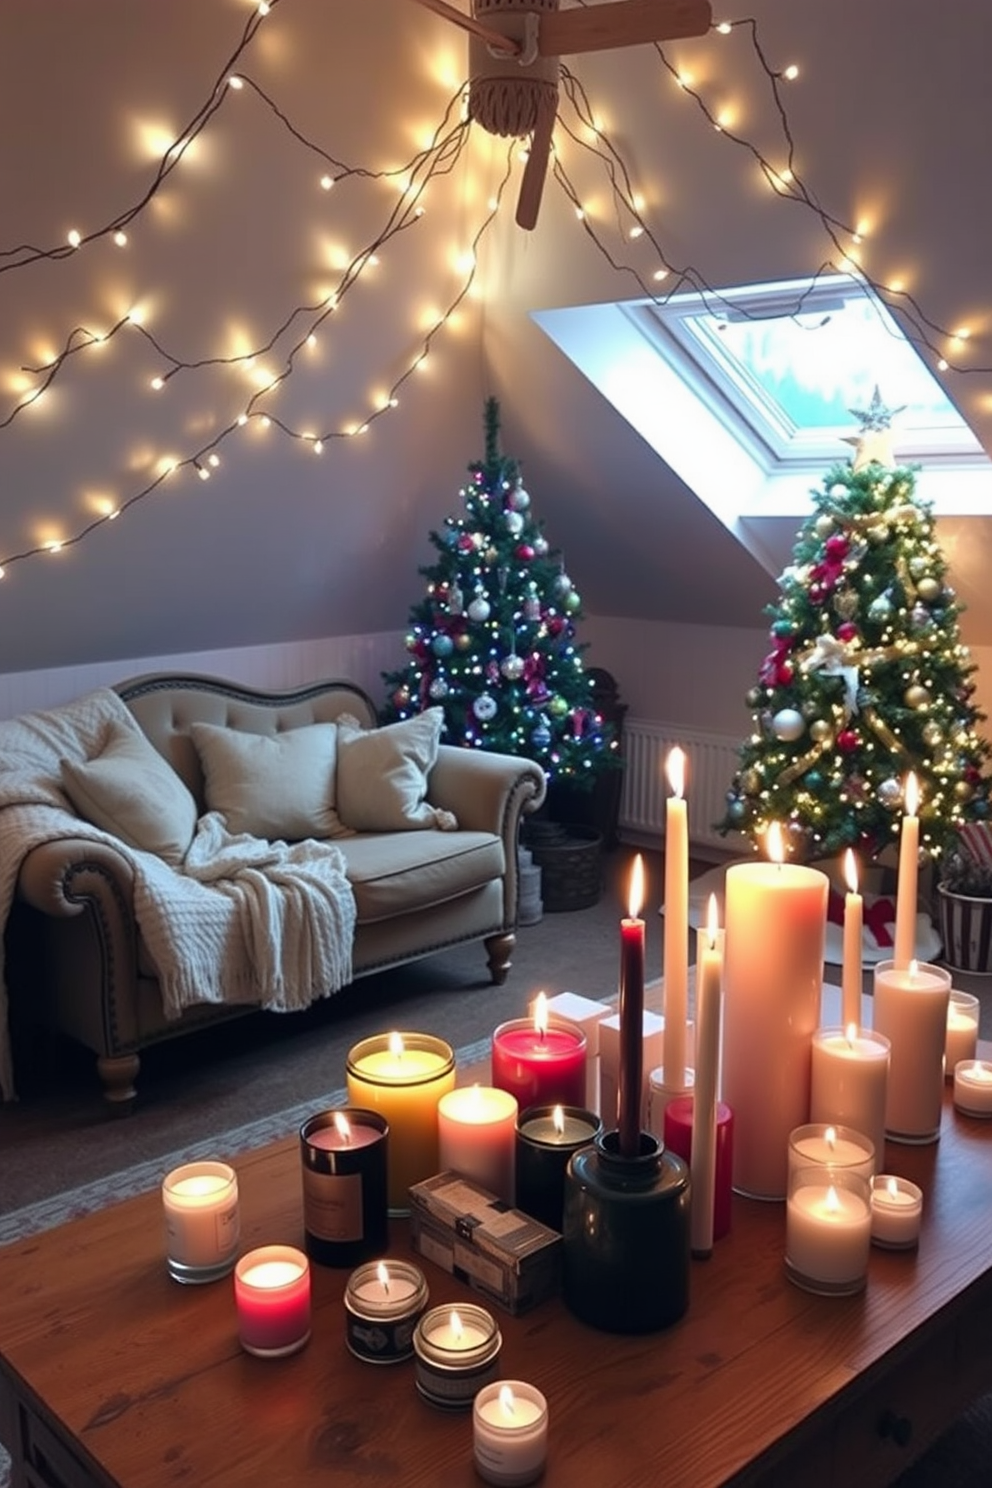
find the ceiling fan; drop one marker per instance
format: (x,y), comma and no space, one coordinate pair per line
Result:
(514,52)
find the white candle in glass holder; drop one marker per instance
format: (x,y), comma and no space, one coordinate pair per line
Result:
(828,1230)
(961,1040)
(910,1010)
(510,1432)
(896,1211)
(200,1206)
(973,1087)
(849,1075)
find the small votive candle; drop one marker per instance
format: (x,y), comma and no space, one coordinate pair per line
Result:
(457,1352)
(510,1433)
(272,1295)
(961,1041)
(896,1211)
(973,1087)
(202,1227)
(828,1230)
(822,1144)
(383,1302)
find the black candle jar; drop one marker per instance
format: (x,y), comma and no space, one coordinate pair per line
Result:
(345,1187)
(543,1154)
(383,1303)
(626,1237)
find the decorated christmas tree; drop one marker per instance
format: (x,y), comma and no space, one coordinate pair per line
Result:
(493,640)
(867,679)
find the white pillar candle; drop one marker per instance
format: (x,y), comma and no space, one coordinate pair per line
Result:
(910,1010)
(477,1137)
(853,954)
(896,1212)
(904,950)
(848,1078)
(961,1039)
(702,1165)
(973,1087)
(200,1205)
(676,941)
(828,1231)
(510,1433)
(776,915)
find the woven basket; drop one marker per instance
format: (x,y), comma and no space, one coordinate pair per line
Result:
(571,863)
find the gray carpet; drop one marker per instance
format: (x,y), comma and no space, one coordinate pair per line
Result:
(58,1136)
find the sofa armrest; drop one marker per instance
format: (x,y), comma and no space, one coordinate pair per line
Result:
(62,876)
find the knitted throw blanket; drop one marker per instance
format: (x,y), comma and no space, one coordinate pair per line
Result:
(243,921)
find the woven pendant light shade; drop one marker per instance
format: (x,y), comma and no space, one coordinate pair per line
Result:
(506,94)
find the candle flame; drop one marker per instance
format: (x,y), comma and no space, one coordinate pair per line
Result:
(851,1033)
(712,921)
(911,794)
(558,1119)
(342,1126)
(383,1276)
(675,770)
(455,1323)
(830,1137)
(635,893)
(892,1187)
(773,843)
(506,1400)
(541,1013)
(833,1202)
(396,1044)
(851,871)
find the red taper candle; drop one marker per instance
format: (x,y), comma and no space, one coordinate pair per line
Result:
(631,1016)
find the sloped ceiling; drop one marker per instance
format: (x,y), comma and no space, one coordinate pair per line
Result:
(890,121)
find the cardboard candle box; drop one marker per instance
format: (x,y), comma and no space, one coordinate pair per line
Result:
(498,1251)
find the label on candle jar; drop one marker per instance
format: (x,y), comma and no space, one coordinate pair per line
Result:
(332,1205)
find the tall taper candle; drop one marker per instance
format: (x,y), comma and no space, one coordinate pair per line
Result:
(702,1167)
(853,932)
(904,950)
(676,947)
(631,1016)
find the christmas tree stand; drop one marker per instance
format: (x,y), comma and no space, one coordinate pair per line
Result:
(570,858)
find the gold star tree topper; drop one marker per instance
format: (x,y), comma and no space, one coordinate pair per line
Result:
(874,441)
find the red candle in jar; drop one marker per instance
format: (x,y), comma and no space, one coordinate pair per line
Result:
(678,1139)
(542,1062)
(272,1294)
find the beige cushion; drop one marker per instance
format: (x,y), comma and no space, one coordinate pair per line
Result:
(398,873)
(271,785)
(382,774)
(131,791)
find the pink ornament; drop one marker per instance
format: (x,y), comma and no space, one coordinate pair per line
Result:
(525,552)
(847,741)
(847,631)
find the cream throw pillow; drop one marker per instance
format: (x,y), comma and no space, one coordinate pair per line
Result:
(131,791)
(382,774)
(271,785)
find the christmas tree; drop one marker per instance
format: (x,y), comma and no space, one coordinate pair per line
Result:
(867,679)
(493,641)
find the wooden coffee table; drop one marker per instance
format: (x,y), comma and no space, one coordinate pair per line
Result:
(112,1374)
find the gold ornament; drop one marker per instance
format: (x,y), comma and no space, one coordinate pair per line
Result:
(751,781)
(963,791)
(916,696)
(932,734)
(821,731)
(823,525)
(929,589)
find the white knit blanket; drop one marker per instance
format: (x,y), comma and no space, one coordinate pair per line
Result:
(244,920)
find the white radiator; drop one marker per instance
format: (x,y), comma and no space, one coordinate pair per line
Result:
(711,760)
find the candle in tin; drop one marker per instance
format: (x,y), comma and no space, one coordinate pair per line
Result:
(384,1301)
(457,1349)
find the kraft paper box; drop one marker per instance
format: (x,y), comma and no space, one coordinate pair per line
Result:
(474,1236)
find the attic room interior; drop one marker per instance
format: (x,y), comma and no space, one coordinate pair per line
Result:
(268,271)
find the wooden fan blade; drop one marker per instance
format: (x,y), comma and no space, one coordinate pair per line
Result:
(536,169)
(625,23)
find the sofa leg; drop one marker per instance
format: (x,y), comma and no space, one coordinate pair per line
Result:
(499,951)
(118,1072)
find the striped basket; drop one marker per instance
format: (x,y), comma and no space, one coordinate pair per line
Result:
(966,930)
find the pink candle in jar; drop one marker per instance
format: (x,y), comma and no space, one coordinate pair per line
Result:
(541,1062)
(272,1294)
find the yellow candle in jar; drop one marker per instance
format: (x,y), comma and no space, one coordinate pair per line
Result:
(403,1076)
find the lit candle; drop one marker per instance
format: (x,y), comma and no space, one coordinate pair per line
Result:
(540,1061)
(853,931)
(834,1147)
(961,1039)
(403,1076)
(272,1295)
(383,1302)
(588,1015)
(973,1087)
(477,1134)
(702,1167)
(676,946)
(344,1158)
(848,1079)
(676,1131)
(910,1010)
(546,1138)
(896,1211)
(457,1353)
(510,1433)
(776,918)
(828,1232)
(631,1015)
(200,1205)
(906,893)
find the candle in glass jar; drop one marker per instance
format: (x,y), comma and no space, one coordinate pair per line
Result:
(540,1061)
(383,1302)
(546,1138)
(849,1076)
(910,1010)
(477,1134)
(272,1295)
(828,1230)
(457,1353)
(896,1211)
(344,1164)
(973,1087)
(833,1147)
(403,1076)
(510,1433)
(200,1206)
(961,1039)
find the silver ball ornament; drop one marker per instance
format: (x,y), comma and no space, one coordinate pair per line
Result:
(512,667)
(519,499)
(789,724)
(514,523)
(479,609)
(438,689)
(823,525)
(484,707)
(890,793)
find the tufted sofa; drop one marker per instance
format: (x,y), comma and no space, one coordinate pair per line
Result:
(74,950)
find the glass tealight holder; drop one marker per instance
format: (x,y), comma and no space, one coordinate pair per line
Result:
(824,1144)
(457,1349)
(961,1041)
(202,1226)
(896,1212)
(828,1229)
(383,1302)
